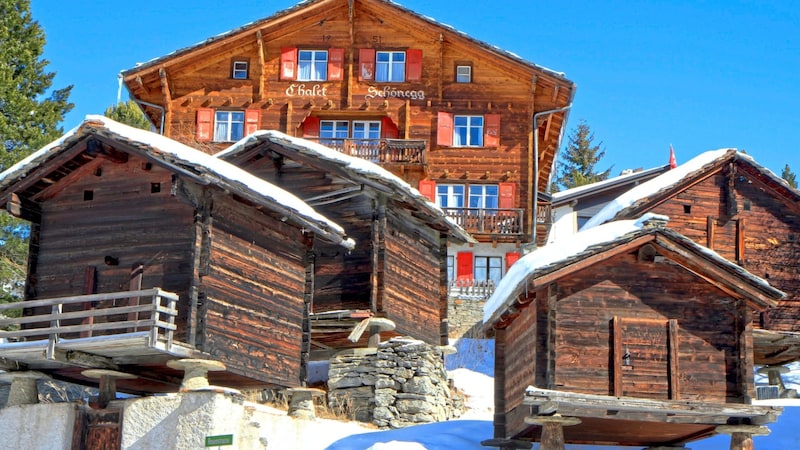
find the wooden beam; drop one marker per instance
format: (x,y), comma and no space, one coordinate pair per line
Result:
(350,55)
(711,224)
(439,88)
(258,92)
(165,92)
(674,368)
(616,356)
(740,241)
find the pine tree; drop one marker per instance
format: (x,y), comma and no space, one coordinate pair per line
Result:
(576,165)
(128,113)
(789,176)
(30,113)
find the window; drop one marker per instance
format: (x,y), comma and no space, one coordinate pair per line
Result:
(366,129)
(312,65)
(450,195)
(489,268)
(463,74)
(390,66)
(468,131)
(451,268)
(483,196)
(333,131)
(228,126)
(239,70)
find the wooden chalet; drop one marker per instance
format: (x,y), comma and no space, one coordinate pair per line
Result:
(475,128)
(144,250)
(397,269)
(726,201)
(626,334)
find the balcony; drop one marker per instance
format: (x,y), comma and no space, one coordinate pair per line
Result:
(380,151)
(501,221)
(471,289)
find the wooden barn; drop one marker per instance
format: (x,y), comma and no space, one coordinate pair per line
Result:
(144,250)
(474,127)
(626,334)
(395,275)
(726,201)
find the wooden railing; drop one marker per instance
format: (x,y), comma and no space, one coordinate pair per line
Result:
(488,220)
(470,288)
(407,151)
(149,310)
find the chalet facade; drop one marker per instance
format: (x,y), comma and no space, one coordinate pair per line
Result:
(144,250)
(626,334)
(396,272)
(729,203)
(475,128)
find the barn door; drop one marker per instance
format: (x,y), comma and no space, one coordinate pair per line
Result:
(97,429)
(645,356)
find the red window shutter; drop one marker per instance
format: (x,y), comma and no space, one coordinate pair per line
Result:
(413,64)
(366,64)
(252,117)
(288,63)
(335,64)
(444,129)
(507,194)
(428,189)
(389,129)
(511,258)
(491,130)
(311,127)
(464,266)
(205,124)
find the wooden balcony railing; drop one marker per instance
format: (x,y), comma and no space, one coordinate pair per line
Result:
(488,220)
(470,288)
(381,151)
(81,316)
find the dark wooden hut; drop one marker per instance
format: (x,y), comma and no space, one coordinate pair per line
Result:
(630,333)
(397,270)
(144,250)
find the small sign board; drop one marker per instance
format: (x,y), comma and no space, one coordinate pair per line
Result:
(219,440)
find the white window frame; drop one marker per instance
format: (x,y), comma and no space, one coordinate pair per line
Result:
(481,196)
(239,70)
(463,74)
(463,132)
(310,65)
(447,195)
(491,264)
(393,69)
(371,130)
(234,126)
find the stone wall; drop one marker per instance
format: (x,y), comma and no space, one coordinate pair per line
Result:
(465,317)
(402,382)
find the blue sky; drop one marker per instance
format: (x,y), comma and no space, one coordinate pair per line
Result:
(699,75)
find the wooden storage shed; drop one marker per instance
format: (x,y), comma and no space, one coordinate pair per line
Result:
(145,250)
(726,201)
(631,334)
(397,270)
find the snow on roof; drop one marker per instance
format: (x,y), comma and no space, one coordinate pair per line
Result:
(562,196)
(650,187)
(515,280)
(357,166)
(303,3)
(211,170)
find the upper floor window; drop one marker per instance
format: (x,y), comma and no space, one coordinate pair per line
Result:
(484,196)
(450,195)
(468,131)
(463,74)
(228,126)
(390,66)
(225,126)
(239,70)
(312,65)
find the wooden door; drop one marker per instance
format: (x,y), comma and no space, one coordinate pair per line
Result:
(97,429)
(645,358)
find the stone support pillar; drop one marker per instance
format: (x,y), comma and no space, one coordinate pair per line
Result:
(301,402)
(23,387)
(195,375)
(552,429)
(107,384)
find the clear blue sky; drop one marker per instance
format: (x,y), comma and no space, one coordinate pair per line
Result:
(699,75)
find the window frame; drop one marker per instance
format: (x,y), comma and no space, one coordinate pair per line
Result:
(393,66)
(313,62)
(491,264)
(468,128)
(235,70)
(458,75)
(231,130)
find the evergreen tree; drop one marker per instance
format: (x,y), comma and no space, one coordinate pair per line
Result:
(576,165)
(789,176)
(30,113)
(128,113)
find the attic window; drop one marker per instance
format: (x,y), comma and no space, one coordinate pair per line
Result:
(155,188)
(98,172)
(147,166)
(747,205)
(463,73)
(88,195)
(239,70)
(687,209)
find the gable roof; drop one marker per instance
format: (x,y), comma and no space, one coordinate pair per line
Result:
(589,190)
(356,169)
(183,160)
(553,261)
(255,25)
(639,198)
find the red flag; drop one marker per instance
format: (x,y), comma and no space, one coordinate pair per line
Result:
(672,162)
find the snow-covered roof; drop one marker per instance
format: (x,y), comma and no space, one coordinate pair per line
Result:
(190,162)
(359,169)
(305,3)
(567,195)
(585,242)
(671,178)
